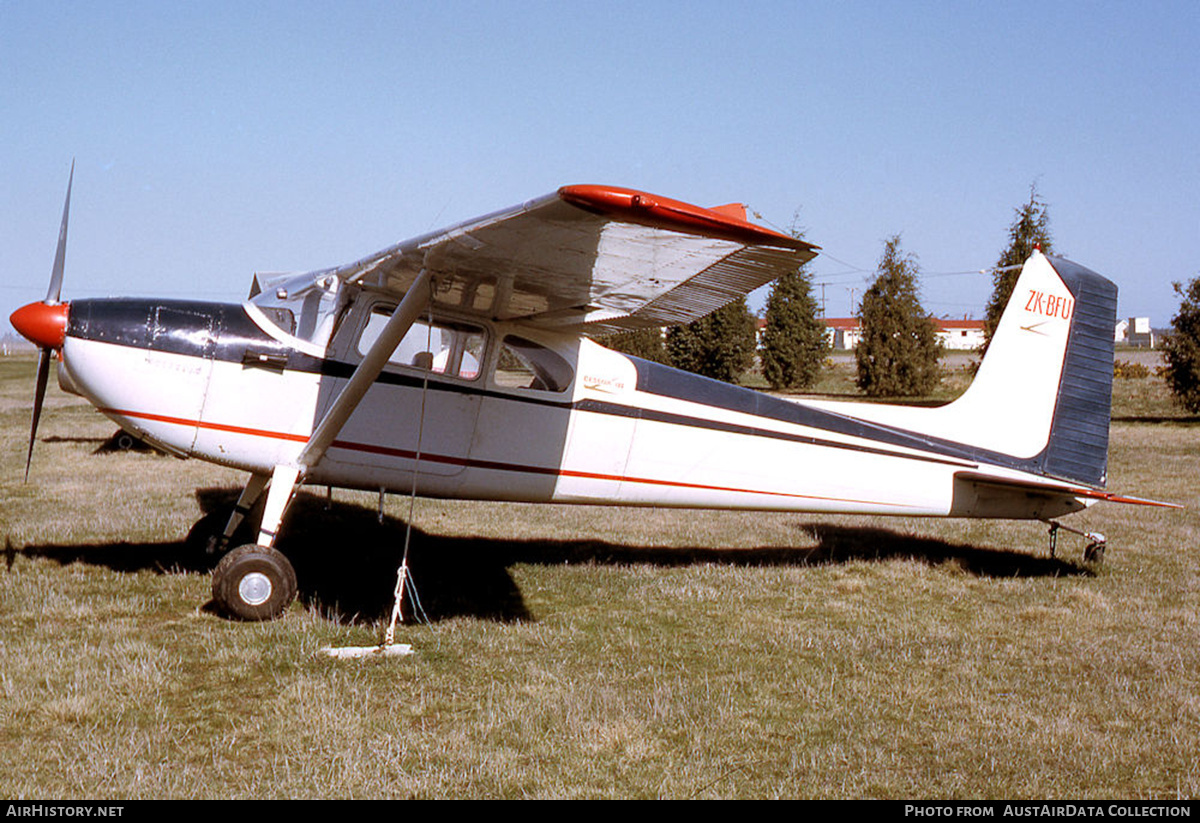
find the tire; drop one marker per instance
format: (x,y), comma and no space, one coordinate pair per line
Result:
(254,583)
(1094,554)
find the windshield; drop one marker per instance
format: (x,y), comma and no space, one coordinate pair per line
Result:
(307,306)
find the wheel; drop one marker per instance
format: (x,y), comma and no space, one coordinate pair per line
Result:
(254,583)
(125,441)
(1094,553)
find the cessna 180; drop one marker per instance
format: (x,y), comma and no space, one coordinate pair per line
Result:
(459,364)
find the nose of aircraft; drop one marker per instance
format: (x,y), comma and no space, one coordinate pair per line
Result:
(44,324)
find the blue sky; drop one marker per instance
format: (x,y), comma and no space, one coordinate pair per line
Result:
(214,140)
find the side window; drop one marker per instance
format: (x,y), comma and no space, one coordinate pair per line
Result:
(524,364)
(452,349)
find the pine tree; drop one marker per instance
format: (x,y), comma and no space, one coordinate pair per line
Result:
(898,353)
(1030,229)
(644,343)
(1181,348)
(794,342)
(720,345)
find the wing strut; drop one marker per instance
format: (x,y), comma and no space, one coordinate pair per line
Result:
(415,301)
(286,477)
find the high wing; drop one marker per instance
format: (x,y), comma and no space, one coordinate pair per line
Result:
(597,259)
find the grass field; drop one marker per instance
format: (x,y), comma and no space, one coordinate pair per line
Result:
(589,652)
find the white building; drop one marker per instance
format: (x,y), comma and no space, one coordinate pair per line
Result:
(954,335)
(1134,331)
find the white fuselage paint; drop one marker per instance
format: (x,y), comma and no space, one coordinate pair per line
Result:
(601,441)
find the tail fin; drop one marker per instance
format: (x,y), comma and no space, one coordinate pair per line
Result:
(1040,401)
(1044,389)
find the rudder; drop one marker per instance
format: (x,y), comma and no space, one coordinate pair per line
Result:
(1078,446)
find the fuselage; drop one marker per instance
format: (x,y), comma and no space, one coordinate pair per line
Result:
(499,411)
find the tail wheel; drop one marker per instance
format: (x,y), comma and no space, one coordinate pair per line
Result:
(254,583)
(1094,552)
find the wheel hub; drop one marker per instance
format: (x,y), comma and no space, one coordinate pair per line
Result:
(255,588)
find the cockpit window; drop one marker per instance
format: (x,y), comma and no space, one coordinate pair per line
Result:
(524,364)
(452,349)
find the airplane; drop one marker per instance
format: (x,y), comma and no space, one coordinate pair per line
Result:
(461,364)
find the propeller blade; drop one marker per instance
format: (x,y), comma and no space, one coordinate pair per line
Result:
(39,395)
(52,299)
(60,255)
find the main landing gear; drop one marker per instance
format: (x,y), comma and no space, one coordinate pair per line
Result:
(1093,552)
(249,581)
(254,581)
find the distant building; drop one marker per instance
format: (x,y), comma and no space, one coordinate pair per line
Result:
(842,332)
(959,335)
(954,335)
(1135,331)
(967,335)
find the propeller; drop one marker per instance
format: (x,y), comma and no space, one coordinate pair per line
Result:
(45,323)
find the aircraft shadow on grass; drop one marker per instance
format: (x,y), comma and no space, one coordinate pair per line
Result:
(346,561)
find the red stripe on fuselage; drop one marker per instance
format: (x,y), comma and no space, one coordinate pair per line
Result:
(479,464)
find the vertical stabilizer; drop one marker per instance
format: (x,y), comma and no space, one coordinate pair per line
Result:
(1044,389)
(1041,399)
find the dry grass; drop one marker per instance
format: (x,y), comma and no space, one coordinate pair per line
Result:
(588,652)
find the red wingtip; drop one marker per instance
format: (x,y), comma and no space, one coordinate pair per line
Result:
(737,211)
(42,323)
(661,212)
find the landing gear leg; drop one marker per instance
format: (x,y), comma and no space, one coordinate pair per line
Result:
(218,544)
(283,487)
(217,531)
(255,581)
(1092,553)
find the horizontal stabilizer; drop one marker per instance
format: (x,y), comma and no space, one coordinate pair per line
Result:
(984,495)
